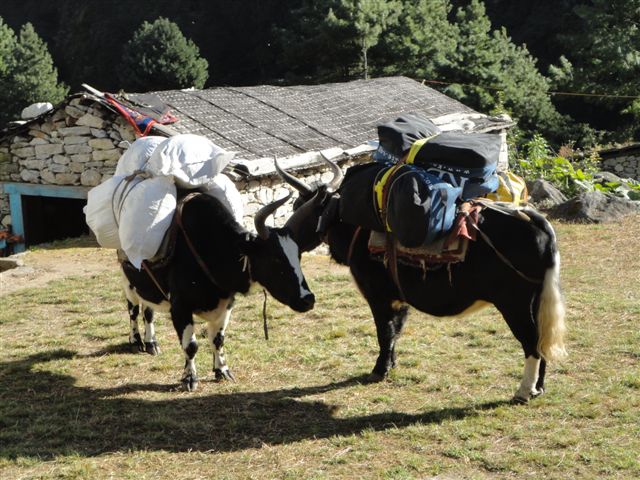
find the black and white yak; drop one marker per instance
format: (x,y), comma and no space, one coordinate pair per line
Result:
(213,258)
(518,274)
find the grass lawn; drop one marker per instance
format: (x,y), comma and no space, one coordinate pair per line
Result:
(76,403)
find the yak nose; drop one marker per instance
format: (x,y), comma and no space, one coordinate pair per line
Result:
(307,302)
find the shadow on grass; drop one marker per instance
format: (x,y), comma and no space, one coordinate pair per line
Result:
(44,414)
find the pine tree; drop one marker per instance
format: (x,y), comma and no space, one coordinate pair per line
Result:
(605,55)
(311,50)
(331,40)
(7,46)
(365,21)
(491,73)
(29,75)
(421,43)
(159,57)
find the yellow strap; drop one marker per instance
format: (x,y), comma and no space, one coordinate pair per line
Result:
(379,190)
(415,148)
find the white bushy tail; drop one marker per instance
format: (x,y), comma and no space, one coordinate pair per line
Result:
(551,312)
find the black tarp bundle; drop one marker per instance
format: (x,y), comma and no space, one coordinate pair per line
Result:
(357,196)
(397,136)
(467,160)
(417,207)
(428,172)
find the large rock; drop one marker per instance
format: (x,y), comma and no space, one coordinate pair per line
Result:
(544,195)
(624,188)
(594,207)
(35,109)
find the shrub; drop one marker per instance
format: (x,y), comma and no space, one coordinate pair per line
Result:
(570,171)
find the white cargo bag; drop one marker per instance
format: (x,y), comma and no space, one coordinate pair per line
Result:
(146,213)
(193,160)
(137,155)
(225,190)
(99,212)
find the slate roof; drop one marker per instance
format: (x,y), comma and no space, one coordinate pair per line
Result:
(295,123)
(264,121)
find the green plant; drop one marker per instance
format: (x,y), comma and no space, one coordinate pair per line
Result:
(160,57)
(539,162)
(570,171)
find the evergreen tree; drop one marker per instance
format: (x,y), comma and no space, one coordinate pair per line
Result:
(331,39)
(475,62)
(29,75)
(312,51)
(7,46)
(605,55)
(364,21)
(159,57)
(492,73)
(421,43)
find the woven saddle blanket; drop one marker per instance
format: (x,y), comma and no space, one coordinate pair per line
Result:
(449,249)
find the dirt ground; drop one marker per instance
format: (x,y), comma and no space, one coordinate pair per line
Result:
(40,265)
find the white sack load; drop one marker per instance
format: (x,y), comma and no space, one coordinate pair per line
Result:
(137,155)
(145,216)
(225,190)
(193,160)
(99,212)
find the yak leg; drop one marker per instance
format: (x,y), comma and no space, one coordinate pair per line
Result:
(133,307)
(519,315)
(183,323)
(135,339)
(541,372)
(150,341)
(217,321)
(389,318)
(381,294)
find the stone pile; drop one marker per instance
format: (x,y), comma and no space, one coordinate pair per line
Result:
(76,145)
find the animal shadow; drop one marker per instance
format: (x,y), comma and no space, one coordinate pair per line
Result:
(45,414)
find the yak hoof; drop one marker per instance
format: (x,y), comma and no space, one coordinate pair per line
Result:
(521,399)
(137,345)
(152,348)
(375,377)
(537,392)
(222,375)
(190,382)
(518,400)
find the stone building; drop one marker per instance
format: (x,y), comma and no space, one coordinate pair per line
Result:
(623,161)
(48,163)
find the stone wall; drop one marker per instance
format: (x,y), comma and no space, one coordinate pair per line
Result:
(76,145)
(627,165)
(258,192)
(80,145)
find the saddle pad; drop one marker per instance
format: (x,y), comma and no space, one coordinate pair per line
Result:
(441,251)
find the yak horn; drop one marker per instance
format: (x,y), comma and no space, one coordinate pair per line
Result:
(299,185)
(337,175)
(262,215)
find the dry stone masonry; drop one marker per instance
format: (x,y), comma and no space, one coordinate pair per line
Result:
(77,145)
(625,166)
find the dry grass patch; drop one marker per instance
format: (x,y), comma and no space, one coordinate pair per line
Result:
(75,403)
